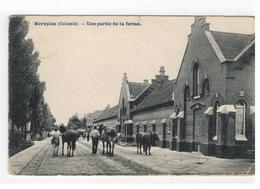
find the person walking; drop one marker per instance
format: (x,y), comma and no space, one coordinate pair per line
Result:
(95,137)
(55,141)
(88,134)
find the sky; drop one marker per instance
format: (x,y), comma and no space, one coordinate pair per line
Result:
(83,65)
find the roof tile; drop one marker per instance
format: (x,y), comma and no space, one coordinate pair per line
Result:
(136,88)
(108,113)
(160,95)
(231,44)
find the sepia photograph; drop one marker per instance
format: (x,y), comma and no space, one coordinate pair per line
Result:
(131,95)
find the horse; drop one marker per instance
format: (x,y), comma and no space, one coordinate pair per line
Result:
(80,133)
(139,142)
(146,140)
(84,135)
(108,138)
(70,137)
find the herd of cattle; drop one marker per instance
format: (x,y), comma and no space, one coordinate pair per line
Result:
(108,137)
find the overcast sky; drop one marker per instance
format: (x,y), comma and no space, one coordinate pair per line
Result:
(83,65)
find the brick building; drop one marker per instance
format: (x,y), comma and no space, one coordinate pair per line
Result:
(214,94)
(145,106)
(129,95)
(153,113)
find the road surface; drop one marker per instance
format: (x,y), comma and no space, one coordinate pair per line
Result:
(38,160)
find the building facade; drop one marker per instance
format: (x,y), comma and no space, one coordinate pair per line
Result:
(108,117)
(214,94)
(153,113)
(137,102)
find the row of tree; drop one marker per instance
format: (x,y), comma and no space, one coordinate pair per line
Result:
(77,123)
(26,91)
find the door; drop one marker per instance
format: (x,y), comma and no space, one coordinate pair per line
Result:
(164,136)
(197,128)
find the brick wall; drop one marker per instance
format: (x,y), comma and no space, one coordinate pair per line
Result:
(200,50)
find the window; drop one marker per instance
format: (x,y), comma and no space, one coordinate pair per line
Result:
(130,132)
(240,120)
(137,129)
(164,131)
(174,128)
(145,128)
(205,88)
(195,79)
(213,129)
(154,127)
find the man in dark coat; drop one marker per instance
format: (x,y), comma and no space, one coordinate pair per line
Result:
(95,137)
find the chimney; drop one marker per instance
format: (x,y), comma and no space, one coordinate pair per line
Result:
(146,81)
(161,78)
(125,78)
(199,24)
(162,71)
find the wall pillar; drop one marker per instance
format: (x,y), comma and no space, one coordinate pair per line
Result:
(180,143)
(173,142)
(207,146)
(226,144)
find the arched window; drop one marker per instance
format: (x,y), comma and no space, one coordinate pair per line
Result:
(213,129)
(137,128)
(205,88)
(195,79)
(241,118)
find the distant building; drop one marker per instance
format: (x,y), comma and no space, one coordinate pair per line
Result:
(108,117)
(153,113)
(91,117)
(150,108)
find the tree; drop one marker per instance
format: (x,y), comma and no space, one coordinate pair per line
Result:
(22,65)
(75,122)
(26,99)
(48,119)
(36,105)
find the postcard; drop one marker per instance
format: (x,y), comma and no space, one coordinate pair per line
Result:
(131,95)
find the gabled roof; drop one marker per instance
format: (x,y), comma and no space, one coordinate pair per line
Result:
(96,114)
(161,95)
(228,46)
(136,88)
(108,113)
